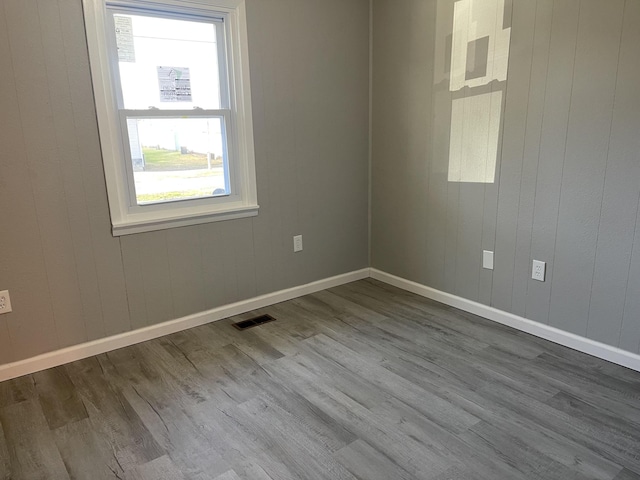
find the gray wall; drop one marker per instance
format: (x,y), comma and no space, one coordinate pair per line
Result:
(71,281)
(568,179)
(566,191)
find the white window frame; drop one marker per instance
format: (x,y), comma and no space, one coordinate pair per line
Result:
(127,217)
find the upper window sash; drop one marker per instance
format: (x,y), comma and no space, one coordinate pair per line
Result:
(226,89)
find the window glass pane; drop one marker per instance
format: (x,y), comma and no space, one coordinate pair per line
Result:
(177,158)
(167,63)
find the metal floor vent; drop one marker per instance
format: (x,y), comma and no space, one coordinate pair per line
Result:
(253,322)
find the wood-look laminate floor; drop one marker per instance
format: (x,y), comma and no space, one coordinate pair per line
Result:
(361,381)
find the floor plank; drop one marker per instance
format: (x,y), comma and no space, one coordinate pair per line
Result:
(33,453)
(58,398)
(5,461)
(85,453)
(364,461)
(159,469)
(17,390)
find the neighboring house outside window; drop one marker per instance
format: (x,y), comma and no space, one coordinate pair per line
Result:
(171,82)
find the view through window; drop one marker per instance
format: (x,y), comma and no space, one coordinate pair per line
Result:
(173,106)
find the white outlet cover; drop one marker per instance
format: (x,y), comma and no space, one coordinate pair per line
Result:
(297,243)
(487,259)
(5,302)
(538,270)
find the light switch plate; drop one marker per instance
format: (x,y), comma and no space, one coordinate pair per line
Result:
(487,259)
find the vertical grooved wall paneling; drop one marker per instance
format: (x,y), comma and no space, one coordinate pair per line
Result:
(71,281)
(18,197)
(617,225)
(437,162)
(531,155)
(625,149)
(588,137)
(566,188)
(557,101)
(512,162)
(391,172)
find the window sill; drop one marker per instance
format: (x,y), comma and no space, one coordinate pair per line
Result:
(148,222)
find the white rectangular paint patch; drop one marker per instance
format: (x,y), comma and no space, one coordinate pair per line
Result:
(472,20)
(475,130)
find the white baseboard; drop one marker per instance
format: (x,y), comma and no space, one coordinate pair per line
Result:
(78,352)
(576,342)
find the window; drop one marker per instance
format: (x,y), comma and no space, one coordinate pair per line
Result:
(171,82)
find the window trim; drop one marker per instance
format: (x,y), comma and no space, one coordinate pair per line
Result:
(243,201)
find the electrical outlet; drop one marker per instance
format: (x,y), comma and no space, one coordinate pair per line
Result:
(297,243)
(487,259)
(538,271)
(5,302)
